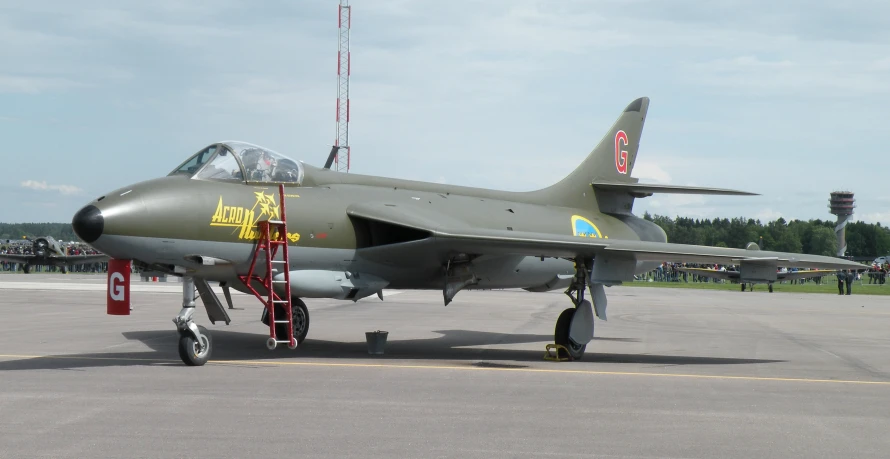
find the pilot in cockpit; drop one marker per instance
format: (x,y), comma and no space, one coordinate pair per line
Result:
(258,164)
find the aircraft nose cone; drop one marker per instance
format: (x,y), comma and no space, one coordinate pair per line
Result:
(88,223)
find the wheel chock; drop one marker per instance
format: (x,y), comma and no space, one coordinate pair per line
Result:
(551,352)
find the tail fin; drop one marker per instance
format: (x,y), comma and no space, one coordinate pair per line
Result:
(612,159)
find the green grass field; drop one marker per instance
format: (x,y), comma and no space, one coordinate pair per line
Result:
(828,286)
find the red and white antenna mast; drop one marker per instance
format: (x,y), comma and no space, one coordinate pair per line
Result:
(341,144)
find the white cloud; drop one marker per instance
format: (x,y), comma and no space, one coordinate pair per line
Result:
(33,84)
(809,75)
(649,171)
(768,215)
(874,217)
(508,94)
(43,186)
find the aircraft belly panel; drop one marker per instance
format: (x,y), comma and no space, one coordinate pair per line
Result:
(521,272)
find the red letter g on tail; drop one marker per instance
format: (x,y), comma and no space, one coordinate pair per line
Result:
(620,155)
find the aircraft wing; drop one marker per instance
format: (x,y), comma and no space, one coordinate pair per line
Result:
(733,275)
(82,259)
(435,239)
(15,258)
(805,274)
(55,261)
(711,273)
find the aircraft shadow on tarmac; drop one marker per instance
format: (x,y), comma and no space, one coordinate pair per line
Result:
(451,345)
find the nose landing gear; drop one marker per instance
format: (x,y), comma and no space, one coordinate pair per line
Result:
(195,343)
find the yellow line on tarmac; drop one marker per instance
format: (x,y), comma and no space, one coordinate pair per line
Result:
(456,367)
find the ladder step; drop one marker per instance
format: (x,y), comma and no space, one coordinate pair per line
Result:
(277,242)
(275,222)
(279,282)
(278,261)
(281,322)
(279,301)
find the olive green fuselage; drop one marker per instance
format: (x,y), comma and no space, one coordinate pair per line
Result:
(168,221)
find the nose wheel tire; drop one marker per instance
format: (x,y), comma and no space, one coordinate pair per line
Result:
(191,351)
(561,336)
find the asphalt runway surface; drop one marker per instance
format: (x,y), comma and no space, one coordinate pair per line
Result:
(672,373)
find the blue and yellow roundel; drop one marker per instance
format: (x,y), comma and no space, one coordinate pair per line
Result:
(584,228)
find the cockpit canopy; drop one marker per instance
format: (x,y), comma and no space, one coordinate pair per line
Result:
(241,162)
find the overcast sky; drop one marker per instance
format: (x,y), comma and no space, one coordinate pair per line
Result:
(788,99)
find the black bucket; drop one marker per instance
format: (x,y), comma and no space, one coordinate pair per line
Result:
(376,341)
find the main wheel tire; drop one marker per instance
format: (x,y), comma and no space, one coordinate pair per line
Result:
(743,286)
(27,269)
(188,349)
(64,270)
(771,288)
(561,336)
(301,320)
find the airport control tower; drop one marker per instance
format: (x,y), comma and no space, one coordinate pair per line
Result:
(841,204)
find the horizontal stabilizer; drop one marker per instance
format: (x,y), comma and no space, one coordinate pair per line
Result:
(639,190)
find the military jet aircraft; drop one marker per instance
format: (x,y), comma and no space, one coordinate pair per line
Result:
(748,278)
(46,251)
(350,236)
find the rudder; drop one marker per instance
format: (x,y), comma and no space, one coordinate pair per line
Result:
(613,158)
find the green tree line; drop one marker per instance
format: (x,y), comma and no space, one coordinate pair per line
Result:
(814,236)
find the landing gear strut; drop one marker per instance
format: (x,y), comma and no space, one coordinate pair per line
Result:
(574,326)
(195,343)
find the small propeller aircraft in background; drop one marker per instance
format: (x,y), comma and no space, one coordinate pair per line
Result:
(220,217)
(46,251)
(748,277)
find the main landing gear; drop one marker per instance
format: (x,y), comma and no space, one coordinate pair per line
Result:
(300,314)
(574,326)
(195,343)
(751,287)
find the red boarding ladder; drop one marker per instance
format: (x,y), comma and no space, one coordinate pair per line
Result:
(273,235)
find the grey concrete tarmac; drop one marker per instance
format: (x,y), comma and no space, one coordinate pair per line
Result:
(672,373)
